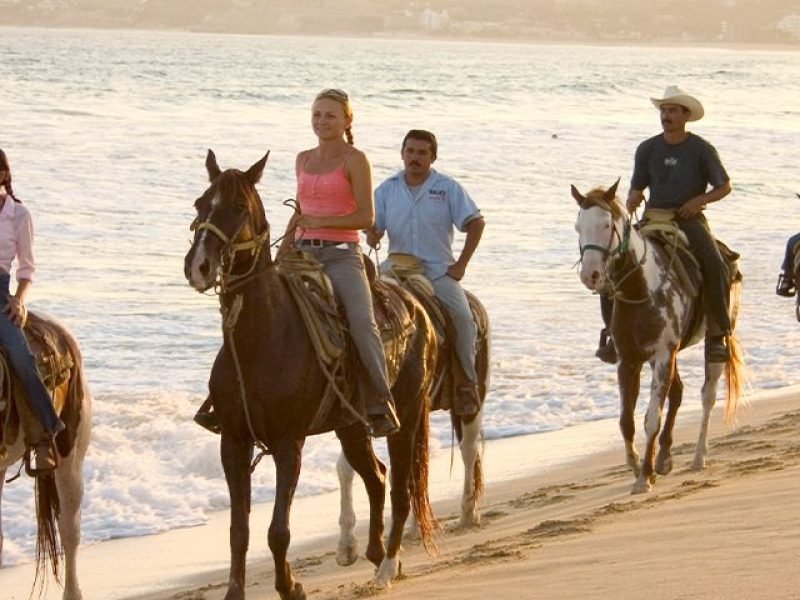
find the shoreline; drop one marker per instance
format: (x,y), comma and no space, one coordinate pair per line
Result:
(521,497)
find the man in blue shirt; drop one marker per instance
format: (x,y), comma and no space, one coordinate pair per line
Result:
(678,167)
(419,208)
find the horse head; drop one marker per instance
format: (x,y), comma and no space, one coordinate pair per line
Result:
(230,229)
(601,231)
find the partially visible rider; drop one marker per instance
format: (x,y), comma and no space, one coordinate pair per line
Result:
(39,419)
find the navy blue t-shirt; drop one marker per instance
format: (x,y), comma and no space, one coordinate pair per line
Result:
(676,173)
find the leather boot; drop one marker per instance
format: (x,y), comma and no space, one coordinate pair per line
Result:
(717,350)
(606,351)
(384,423)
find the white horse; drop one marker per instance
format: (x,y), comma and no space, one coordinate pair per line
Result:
(59,494)
(656,314)
(468,432)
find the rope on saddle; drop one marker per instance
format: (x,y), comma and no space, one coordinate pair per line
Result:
(313,294)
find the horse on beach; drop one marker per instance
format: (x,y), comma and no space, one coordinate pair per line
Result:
(58,494)
(267,386)
(468,430)
(656,314)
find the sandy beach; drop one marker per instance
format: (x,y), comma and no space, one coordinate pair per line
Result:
(574,531)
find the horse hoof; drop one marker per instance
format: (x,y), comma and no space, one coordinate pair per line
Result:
(346,555)
(389,570)
(469,521)
(664,467)
(641,487)
(296,593)
(699,464)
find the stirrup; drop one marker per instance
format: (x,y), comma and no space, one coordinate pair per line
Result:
(785,286)
(207,419)
(606,350)
(43,461)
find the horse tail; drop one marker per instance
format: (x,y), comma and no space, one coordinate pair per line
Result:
(735,368)
(735,379)
(420,499)
(48,547)
(423,511)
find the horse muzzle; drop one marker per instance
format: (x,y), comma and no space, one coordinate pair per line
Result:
(199,270)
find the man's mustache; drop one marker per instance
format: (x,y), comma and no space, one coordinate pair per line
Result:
(415,163)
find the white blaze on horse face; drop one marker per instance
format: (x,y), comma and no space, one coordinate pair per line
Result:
(196,278)
(595,229)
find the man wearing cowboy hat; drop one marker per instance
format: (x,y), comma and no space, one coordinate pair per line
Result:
(678,167)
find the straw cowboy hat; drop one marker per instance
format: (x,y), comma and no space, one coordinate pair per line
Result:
(675,95)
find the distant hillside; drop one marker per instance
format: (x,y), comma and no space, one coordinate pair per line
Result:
(680,21)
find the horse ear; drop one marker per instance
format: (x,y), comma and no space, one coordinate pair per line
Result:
(211,165)
(612,192)
(254,173)
(579,198)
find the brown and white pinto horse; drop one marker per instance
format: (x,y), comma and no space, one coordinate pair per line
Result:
(652,321)
(59,495)
(267,385)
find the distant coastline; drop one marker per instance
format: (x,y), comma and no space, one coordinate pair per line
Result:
(420,36)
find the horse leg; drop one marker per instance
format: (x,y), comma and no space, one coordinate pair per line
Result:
(628,376)
(709,396)
(664,458)
(69,479)
(358,451)
(236,453)
(287,454)
(347,548)
(659,386)
(469,445)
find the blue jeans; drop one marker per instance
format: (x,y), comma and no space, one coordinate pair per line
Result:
(24,364)
(452,295)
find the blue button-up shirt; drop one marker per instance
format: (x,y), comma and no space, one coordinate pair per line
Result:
(423,224)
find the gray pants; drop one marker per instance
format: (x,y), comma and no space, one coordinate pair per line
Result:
(452,295)
(345,268)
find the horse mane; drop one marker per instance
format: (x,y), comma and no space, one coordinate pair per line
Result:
(598,197)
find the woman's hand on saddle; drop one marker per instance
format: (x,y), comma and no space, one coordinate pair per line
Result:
(373,237)
(692,208)
(16,311)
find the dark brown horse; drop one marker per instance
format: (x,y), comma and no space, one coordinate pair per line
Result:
(59,495)
(266,384)
(654,318)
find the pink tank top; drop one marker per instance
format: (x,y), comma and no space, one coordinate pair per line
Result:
(326,195)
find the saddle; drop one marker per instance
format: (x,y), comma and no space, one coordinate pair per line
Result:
(408,270)
(54,362)
(659,225)
(327,328)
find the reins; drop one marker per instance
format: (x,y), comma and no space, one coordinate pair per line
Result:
(227,283)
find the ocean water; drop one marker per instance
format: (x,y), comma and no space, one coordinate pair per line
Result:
(107,134)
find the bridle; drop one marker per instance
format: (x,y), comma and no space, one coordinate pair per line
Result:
(231,245)
(611,254)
